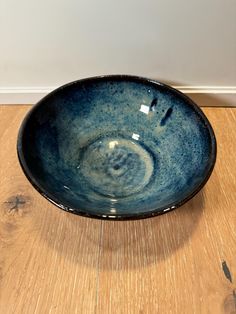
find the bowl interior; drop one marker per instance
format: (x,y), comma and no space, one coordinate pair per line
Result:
(117,147)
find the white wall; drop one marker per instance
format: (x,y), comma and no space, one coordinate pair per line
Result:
(49,42)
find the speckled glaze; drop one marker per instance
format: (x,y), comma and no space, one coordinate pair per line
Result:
(117,147)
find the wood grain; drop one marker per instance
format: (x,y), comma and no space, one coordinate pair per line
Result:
(55,262)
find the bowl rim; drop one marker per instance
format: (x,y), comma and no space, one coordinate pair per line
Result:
(86,213)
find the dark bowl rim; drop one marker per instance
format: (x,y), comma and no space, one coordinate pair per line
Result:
(133,216)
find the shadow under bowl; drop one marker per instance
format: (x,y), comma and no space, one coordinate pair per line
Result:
(117,147)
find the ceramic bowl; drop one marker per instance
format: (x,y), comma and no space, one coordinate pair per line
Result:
(117,147)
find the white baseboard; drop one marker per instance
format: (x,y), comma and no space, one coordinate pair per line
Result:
(202,95)
(23,95)
(210,96)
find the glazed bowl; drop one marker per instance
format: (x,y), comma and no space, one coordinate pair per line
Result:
(117,147)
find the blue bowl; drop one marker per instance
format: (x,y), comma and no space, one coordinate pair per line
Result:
(117,147)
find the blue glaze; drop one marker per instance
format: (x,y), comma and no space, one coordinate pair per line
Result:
(166,117)
(117,147)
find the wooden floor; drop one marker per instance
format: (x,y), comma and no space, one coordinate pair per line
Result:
(55,262)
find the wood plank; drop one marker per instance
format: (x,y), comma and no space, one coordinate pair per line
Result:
(55,262)
(173,263)
(48,258)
